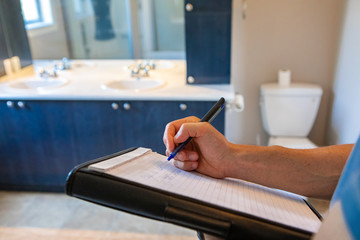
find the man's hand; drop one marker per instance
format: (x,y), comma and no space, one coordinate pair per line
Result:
(206,152)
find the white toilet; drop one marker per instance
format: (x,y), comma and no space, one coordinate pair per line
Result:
(288,113)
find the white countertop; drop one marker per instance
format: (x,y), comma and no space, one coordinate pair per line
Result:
(86,80)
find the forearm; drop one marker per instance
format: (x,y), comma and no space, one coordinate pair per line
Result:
(309,172)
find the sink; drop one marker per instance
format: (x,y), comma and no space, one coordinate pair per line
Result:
(37,83)
(133,84)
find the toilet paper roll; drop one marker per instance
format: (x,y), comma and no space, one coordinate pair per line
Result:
(15,64)
(8,67)
(284,77)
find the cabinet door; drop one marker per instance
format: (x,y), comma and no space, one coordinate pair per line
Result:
(146,121)
(97,129)
(30,151)
(208,41)
(42,142)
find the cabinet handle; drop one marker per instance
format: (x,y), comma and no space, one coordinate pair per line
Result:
(183,106)
(114,106)
(10,104)
(21,104)
(126,106)
(191,79)
(189,7)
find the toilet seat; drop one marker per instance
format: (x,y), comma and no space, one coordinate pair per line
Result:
(292,142)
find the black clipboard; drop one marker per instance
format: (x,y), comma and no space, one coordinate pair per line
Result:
(142,200)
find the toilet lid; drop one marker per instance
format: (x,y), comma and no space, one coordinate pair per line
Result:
(292,142)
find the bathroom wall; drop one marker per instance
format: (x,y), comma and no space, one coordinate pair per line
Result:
(50,42)
(345,118)
(301,35)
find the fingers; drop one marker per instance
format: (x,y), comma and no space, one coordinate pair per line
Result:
(168,137)
(186,160)
(172,128)
(185,155)
(187,166)
(194,130)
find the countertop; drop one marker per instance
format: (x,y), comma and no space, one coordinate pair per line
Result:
(86,80)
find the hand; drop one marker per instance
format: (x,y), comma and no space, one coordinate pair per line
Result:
(206,152)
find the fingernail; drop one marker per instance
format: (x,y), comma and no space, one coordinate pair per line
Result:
(179,164)
(180,155)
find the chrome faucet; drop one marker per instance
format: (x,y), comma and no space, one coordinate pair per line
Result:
(142,70)
(150,64)
(64,65)
(47,74)
(139,72)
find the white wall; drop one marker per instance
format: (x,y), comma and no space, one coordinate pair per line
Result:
(345,118)
(302,35)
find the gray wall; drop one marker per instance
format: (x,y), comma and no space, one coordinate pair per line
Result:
(345,117)
(300,35)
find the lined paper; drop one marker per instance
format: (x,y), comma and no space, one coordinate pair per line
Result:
(154,170)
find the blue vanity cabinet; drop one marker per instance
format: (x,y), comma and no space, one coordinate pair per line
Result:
(208,41)
(41,141)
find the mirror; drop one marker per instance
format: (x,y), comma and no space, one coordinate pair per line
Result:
(105,29)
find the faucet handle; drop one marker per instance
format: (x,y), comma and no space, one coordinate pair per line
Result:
(146,72)
(150,65)
(140,65)
(43,73)
(65,62)
(64,65)
(135,72)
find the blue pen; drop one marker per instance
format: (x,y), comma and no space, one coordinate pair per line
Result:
(209,116)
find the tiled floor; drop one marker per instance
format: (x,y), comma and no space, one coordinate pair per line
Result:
(25,215)
(71,234)
(55,216)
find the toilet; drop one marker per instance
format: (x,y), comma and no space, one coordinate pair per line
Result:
(289,112)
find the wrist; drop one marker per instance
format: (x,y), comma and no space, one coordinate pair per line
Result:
(245,161)
(233,161)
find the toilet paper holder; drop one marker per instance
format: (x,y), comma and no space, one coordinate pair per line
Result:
(237,104)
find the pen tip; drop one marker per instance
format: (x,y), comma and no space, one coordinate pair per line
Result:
(171,156)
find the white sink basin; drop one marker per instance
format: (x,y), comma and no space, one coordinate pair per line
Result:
(133,84)
(37,83)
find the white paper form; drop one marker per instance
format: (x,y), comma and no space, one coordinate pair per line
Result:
(154,170)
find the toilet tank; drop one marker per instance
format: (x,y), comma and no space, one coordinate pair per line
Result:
(291,110)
